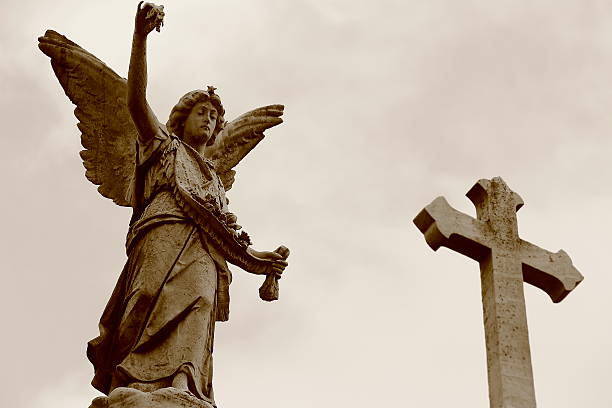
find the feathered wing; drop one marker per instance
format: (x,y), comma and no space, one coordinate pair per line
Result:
(239,137)
(100,95)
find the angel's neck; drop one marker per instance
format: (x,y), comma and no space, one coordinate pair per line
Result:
(198,148)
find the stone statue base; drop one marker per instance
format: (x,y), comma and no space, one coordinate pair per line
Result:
(163,398)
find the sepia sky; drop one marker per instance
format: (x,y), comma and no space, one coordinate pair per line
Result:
(389,104)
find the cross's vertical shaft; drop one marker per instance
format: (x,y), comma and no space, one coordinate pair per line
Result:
(505,318)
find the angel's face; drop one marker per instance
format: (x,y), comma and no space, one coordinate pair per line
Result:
(200,124)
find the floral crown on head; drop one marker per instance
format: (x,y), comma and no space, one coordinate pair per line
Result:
(210,90)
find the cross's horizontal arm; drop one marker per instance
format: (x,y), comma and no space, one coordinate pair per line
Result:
(552,272)
(442,225)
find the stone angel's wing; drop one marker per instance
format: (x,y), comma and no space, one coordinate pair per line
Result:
(239,137)
(108,133)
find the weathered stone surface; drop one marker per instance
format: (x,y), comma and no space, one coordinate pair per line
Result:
(505,262)
(158,327)
(124,397)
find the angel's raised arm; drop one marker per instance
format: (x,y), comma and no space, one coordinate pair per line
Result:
(148,17)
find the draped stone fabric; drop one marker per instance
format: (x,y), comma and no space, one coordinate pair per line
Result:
(160,318)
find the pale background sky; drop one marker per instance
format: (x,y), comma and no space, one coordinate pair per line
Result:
(388,105)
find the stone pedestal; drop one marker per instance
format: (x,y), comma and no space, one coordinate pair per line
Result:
(163,398)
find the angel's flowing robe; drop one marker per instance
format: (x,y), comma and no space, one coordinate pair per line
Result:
(161,316)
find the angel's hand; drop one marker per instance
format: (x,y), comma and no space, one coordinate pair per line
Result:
(276,260)
(149,17)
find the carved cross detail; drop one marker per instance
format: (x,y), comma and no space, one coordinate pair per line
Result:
(505,262)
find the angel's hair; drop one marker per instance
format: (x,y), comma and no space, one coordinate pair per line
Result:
(181,110)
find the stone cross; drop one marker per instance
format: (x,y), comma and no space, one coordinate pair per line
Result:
(505,262)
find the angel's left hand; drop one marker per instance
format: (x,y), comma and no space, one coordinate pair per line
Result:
(277,259)
(282,252)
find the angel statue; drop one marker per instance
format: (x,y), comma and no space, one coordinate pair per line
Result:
(157,329)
